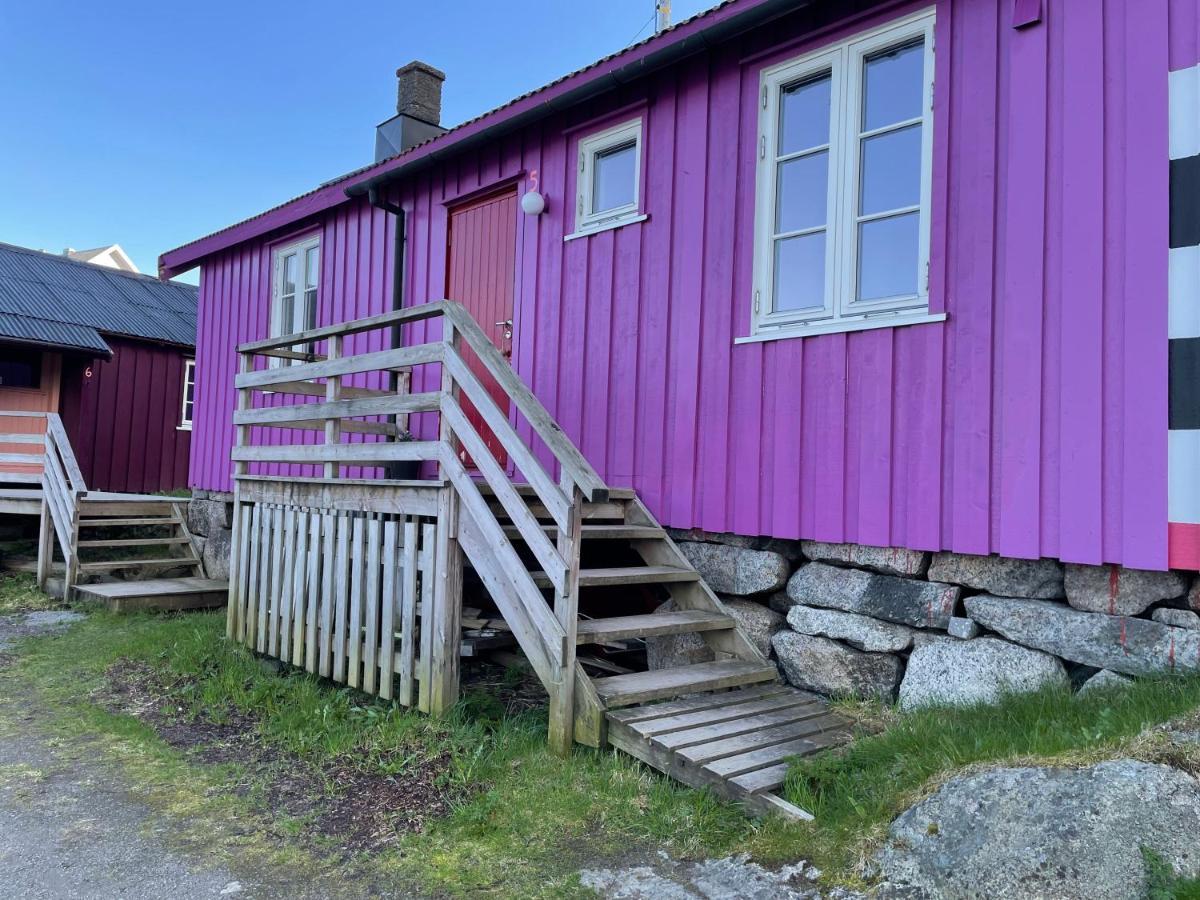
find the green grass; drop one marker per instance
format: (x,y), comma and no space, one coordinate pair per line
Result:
(529,820)
(1163,884)
(856,792)
(19,591)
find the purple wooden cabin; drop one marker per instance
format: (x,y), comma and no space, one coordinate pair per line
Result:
(893,273)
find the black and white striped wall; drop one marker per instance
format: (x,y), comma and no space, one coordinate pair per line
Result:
(1183,445)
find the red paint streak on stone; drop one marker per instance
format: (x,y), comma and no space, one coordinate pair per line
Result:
(1114,583)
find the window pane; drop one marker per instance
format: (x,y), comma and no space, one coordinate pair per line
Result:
(310,310)
(613,177)
(311,257)
(804,115)
(287,314)
(289,274)
(800,272)
(891,171)
(894,81)
(21,369)
(802,198)
(887,257)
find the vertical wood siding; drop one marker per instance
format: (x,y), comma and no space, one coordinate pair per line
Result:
(123,421)
(1032,422)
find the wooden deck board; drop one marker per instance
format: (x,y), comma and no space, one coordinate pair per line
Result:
(625,690)
(158,594)
(740,755)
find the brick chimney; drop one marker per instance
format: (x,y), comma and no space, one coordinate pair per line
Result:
(418,111)
(419,92)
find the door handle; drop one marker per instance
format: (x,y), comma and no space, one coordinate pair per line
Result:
(508,328)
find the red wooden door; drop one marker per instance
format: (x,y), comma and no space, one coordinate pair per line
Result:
(480,275)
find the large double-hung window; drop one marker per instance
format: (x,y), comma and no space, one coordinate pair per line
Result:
(843,188)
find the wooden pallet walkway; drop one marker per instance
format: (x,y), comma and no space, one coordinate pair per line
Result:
(158,593)
(737,743)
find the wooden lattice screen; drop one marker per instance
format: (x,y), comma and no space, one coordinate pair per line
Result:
(338,593)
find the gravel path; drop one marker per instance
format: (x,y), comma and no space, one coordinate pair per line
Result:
(70,827)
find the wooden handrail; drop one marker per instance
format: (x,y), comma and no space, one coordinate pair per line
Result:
(355,326)
(57,437)
(573,462)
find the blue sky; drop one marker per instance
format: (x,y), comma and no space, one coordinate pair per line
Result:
(149,124)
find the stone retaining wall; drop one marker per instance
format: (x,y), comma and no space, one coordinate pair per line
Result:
(925,628)
(208,518)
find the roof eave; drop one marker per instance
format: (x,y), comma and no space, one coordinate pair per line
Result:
(638,61)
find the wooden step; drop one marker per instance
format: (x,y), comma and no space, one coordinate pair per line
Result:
(136,542)
(642,687)
(738,743)
(136,563)
(158,593)
(604,532)
(114,523)
(627,575)
(619,628)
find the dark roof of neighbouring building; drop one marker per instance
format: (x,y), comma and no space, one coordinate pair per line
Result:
(57,301)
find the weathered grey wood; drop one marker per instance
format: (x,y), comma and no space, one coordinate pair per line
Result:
(513,588)
(623,690)
(684,621)
(62,445)
(408,606)
(358,495)
(118,522)
(427,564)
(333,394)
(634,714)
(252,539)
(299,598)
(313,605)
(317,389)
(356,326)
(391,404)
(766,711)
(329,566)
(422,354)
(369,454)
(628,575)
(357,588)
(277,581)
(568,455)
(815,720)
(45,544)
(555,500)
(266,540)
(446,610)
(761,780)
(238,561)
(374,564)
(389,596)
(14,438)
(114,564)
(553,565)
(24,459)
(341,597)
(138,542)
(161,594)
(352,426)
(566,611)
(287,595)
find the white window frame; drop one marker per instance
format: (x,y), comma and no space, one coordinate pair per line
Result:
(841,312)
(189,378)
(588,221)
(277,326)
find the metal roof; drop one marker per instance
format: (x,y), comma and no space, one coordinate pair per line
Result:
(687,36)
(50,299)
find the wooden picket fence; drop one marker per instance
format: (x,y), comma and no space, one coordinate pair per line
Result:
(338,593)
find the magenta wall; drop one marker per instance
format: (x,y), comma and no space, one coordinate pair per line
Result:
(1033,422)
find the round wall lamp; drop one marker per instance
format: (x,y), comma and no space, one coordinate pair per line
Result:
(533,203)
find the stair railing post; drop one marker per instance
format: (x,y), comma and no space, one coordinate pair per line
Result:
(447,594)
(45,541)
(566,610)
(333,392)
(234,611)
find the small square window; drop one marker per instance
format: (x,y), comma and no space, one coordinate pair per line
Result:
(21,369)
(609,186)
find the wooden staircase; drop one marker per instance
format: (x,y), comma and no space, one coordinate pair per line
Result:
(726,724)
(573,566)
(85,524)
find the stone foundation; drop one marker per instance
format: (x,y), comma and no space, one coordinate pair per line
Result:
(938,628)
(209,520)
